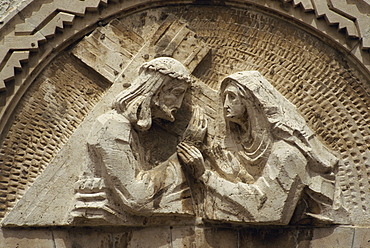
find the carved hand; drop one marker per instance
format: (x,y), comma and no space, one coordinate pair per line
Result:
(192,158)
(90,185)
(90,198)
(228,168)
(197,128)
(218,152)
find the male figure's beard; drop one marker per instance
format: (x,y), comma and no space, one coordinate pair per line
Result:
(163,112)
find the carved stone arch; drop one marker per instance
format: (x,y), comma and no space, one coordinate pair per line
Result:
(49,28)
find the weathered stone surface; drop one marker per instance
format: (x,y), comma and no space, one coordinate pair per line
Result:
(34,238)
(266,160)
(333,237)
(110,49)
(53,110)
(55,181)
(361,237)
(7,73)
(209,173)
(90,238)
(159,237)
(189,236)
(221,62)
(268,238)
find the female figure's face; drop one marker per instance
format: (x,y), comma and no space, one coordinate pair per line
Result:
(234,108)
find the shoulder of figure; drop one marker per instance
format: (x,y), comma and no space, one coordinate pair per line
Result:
(285,161)
(110,125)
(284,151)
(111,117)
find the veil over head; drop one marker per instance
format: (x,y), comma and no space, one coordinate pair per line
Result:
(285,121)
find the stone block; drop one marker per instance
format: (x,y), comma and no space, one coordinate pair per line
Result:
(182,236)
(85,237)
(61,239)
(260,238)
(151,237)
(340,237)
(221,237)
(204,237)
(361,238)
(26,238)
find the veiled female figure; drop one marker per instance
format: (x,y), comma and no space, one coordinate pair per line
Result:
(269,158)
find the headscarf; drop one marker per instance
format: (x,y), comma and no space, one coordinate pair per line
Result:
(286,123)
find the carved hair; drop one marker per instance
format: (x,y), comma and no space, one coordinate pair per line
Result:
(135,102)
(284,120)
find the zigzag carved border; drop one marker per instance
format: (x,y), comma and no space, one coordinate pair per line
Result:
(42,24)
(345,16)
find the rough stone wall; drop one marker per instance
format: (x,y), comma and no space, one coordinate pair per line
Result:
(180,236)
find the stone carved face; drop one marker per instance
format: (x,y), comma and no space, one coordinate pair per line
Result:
(153,95)
(233,104)
(169,99)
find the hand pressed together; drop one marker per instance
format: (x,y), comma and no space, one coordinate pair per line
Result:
(192,159)
(197,128)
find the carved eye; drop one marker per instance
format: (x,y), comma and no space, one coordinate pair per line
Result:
(178,92)
(232,96)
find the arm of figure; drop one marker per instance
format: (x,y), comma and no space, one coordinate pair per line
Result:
(273,196)
(227,165)
(248,196)
(188,150)
(119,161)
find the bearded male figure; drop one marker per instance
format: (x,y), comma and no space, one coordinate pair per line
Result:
(119,177)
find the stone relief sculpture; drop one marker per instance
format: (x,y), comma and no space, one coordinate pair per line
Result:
(119,177)
(265,166)
(268,167)
(267,161)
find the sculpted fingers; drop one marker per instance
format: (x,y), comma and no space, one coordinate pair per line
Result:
(202,121)
(194,122)
(183,153)
(200,116)
(184,146)
(196,165)
(196,153)
(217,151)
(191,151)
(183,157)
(186,153)
(197,127)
